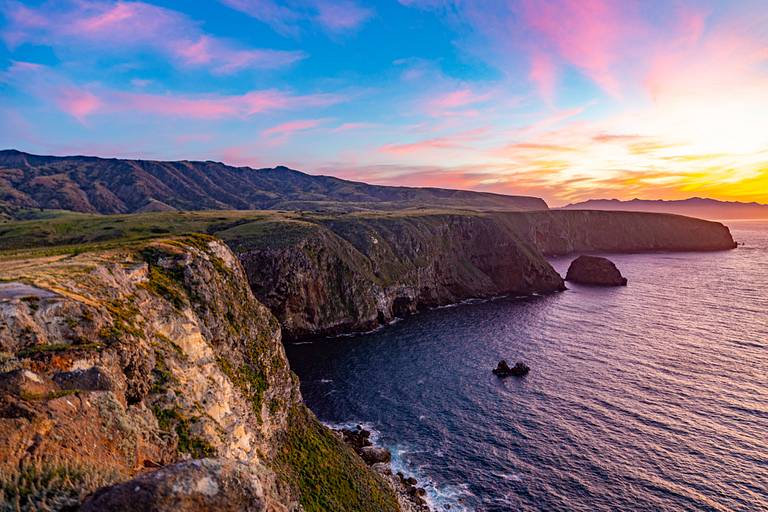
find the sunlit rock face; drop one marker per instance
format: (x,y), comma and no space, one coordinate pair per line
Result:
(120,362)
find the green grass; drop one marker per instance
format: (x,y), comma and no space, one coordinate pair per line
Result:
(53,233)
(327,473)
(45,483)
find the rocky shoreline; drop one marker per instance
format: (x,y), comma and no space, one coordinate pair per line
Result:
(410,495)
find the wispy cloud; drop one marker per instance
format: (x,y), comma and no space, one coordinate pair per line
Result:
(284,130)
(454,141)
(100,26)
(348,127)
(335,16)
(82,101)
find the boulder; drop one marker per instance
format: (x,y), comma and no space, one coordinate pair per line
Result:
(594,270)
(375,455)
(356,438)
(192,486)
(503,370)
(92,379)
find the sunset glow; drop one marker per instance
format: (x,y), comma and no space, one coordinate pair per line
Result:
(564,99)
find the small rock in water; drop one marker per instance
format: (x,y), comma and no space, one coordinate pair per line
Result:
(503,369)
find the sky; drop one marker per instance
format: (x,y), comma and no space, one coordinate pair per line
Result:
(561,99)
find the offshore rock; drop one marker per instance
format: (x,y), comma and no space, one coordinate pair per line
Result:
(503,370)
(596,271)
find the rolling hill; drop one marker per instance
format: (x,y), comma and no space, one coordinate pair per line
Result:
(109,186)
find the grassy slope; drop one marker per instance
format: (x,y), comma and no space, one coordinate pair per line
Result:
(59,232)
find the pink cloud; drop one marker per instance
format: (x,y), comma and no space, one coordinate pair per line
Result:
(455,141)
(332,15)
(347,127)
(123,27)
(341,15)
(82,101)
(456,99)
(544,74)
(217,106)
(291,127)
(586,33)
(78,103)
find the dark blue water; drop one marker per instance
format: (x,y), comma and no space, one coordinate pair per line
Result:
(649,397)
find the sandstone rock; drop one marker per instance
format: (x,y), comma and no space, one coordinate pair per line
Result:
(26,383)
(594,270)
(193,486)
(375,454)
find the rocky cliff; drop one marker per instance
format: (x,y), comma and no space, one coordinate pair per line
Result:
(344,273)
(156,355)
(565,232)
(352,273)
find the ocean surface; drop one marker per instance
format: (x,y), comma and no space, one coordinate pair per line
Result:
(649,397)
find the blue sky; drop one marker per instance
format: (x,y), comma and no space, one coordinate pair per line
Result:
(564,99)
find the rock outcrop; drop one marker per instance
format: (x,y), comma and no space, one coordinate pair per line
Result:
(596,271)
(153,361)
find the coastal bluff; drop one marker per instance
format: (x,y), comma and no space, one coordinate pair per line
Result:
(340,274)
(328,273)
(117,362)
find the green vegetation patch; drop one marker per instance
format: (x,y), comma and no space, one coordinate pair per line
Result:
(171,420)
(44,483)
(326,473)
(166,282)
(249,379)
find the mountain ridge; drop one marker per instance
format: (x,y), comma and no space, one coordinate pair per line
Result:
(112,185)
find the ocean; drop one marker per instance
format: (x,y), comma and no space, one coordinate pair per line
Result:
(649,397)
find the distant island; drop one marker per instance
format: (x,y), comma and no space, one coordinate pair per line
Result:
(694,207)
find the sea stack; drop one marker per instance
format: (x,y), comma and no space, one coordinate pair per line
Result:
(503,370)
(596,271)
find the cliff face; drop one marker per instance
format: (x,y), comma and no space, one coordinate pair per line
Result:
(565,232)
(353,273)
(118,362)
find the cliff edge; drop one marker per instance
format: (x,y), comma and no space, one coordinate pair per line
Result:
(150,355)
